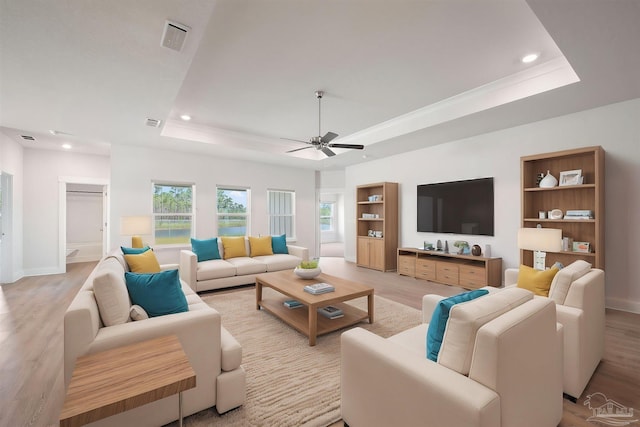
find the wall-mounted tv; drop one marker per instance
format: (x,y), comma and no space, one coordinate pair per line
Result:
(460,207)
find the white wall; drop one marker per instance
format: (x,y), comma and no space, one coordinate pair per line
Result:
(615,127)
(43,170)
(133,169)
(11,162)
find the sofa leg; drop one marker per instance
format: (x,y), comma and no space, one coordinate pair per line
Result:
(345,424)
(569,398)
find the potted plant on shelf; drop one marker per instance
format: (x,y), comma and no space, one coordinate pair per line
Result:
(463,247)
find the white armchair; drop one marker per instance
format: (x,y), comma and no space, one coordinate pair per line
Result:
(578,291)
(512,346)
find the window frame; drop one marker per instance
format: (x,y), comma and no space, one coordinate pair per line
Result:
(332,218)
(192,214)
(292,215)
(246,215)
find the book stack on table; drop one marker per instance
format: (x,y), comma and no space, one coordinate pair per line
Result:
(319,288)
(331,312)
(291,303)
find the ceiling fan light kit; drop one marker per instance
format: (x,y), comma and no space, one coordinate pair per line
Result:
(323,143)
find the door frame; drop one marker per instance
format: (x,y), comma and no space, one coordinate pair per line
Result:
(62,225)
(6,255)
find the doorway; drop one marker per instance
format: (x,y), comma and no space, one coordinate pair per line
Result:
(84,210)
(6,227)
(332,224)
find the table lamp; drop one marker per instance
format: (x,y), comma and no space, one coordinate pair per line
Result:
(135,226)
(540,241)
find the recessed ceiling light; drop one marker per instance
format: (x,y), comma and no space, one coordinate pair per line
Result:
(185,117)
(530,58)
(66,146)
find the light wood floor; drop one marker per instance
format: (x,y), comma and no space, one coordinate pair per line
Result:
(31,342)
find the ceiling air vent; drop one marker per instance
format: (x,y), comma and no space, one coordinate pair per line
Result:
(154,123)
(27,137)
(174,35)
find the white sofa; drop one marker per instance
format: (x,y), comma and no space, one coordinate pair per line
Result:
(224,273)
(499,365)
(212,351)
(578,291)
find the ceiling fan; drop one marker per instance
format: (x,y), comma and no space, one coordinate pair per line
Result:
(323,143)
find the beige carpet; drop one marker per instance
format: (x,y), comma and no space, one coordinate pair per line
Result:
(288,382)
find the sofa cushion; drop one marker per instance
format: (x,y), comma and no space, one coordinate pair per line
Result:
(233,247)
(110,292)
(231,351)
(279,244)
(134,251)
(536,281)
(205,249)
(214,269)
(465,320)
(565,277)
(137,313)
(260,246)
(246,265)
(439,319)
(157,293)
(279,262)
(145,262)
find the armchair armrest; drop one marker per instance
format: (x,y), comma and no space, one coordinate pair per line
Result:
(383,384)
(429,304)
(299,251)
(511,276)
(188,268)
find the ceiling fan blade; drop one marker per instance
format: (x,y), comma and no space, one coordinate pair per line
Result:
(329,136)
(328,152)
(298,149)
(351,146)
(296,140)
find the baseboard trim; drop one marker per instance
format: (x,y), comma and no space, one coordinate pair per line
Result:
(623,305)
(43,271)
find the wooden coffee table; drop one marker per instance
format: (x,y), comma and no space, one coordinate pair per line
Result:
(306,319)
(123,378)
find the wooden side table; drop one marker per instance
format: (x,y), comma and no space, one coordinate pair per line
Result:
(123,378)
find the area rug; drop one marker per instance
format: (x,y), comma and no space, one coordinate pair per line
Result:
(288,382)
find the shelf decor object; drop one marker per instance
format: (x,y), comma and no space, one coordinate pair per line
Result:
(582,202)
(540,241)
(549,181)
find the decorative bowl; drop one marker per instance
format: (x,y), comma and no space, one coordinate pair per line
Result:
(307,273)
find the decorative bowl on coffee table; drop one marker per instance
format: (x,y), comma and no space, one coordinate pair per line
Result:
(307,273)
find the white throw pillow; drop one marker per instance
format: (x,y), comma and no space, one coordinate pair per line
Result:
(466,318)
(138,313)
(566,276)
(111,293)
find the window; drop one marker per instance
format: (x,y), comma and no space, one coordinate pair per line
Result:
(172,213)
(282,209)
(327,217)
(233,211)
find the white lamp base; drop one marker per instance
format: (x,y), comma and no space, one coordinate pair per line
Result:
(539,260)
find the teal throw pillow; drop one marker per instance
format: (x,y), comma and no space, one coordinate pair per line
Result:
(279,244)
(439,319)
(157,293)
(206,249)
(134,251)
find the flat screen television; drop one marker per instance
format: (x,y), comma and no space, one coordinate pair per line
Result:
(460,207)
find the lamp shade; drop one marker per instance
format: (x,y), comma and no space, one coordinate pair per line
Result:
(135,225)
(540,239)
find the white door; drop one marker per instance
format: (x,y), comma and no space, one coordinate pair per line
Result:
(6,260)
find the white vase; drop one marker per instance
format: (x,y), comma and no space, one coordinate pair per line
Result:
(548,181)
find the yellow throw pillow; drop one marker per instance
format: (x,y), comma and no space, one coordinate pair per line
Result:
(260,245)
(233,247)
(145,262)
(536,281)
